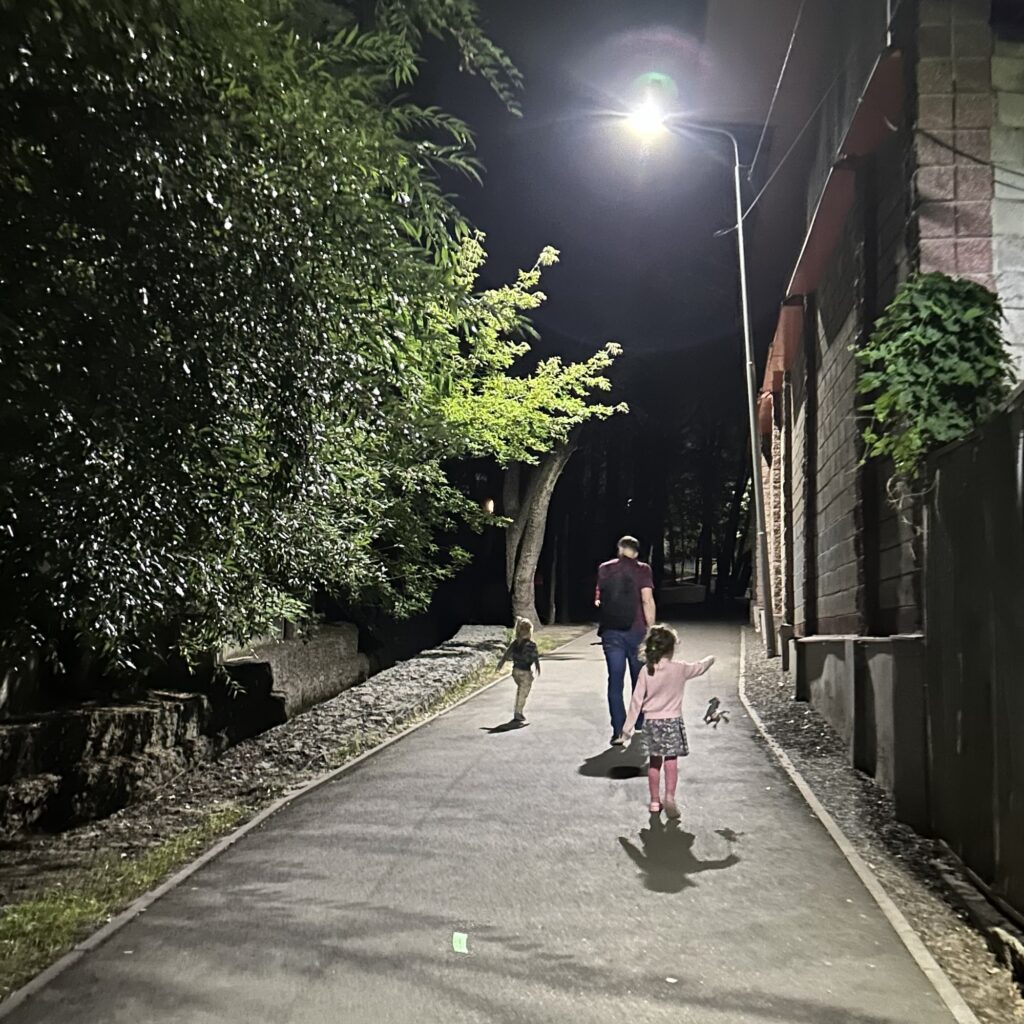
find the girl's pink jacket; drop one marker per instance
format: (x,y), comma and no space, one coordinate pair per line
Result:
(661,695)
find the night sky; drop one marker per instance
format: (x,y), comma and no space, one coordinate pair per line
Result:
(635,222)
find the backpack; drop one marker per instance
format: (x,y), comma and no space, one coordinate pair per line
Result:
(619,600)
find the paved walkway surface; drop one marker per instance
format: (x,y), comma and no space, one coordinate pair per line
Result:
(536,845)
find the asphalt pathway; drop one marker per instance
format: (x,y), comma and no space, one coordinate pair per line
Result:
(532,850)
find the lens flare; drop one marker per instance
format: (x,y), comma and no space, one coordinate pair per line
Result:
(648,119)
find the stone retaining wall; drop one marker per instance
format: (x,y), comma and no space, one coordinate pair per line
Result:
(303,671)
(67,767)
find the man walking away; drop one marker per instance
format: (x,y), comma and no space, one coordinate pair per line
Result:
(625,597)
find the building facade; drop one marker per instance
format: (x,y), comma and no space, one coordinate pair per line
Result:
(924,170)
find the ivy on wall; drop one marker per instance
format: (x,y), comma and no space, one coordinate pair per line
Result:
(935,367)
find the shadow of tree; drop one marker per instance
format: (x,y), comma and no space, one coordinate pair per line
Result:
(345,936)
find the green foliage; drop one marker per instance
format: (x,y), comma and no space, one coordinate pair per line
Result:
(237,324)
(492,412)
(935,367)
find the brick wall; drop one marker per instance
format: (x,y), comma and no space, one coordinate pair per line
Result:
(839,597)
(898,599)
(945,193)
(775,519)
(894,605)
(797,431)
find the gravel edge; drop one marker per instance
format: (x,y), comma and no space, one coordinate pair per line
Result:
(911,869)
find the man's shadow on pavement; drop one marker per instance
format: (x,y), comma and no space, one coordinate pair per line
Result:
(613,763)
(666,859)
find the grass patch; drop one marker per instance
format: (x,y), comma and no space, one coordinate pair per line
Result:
(34,933)
(355,745)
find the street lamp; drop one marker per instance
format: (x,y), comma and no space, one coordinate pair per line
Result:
(649,120)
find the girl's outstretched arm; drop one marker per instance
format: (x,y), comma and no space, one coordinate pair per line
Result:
(698,668)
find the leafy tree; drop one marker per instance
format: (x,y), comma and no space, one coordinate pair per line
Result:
(529,423)
(239,339)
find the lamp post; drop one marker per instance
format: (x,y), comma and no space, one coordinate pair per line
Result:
(648,120)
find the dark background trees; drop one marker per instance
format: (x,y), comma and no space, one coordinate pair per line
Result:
(242,341)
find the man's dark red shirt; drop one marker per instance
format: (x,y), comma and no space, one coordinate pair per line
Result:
(643,578)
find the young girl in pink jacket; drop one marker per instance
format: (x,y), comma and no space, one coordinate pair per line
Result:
(659,697)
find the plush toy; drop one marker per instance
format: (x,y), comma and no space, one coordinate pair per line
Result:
(715,713)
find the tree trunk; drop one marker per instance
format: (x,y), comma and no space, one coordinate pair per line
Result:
(525,537)
(553,581)
(511,500)
(673,551)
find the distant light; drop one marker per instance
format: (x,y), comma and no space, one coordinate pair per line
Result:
(648,119)
(489,506)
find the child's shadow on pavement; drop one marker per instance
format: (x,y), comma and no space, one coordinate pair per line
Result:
(666,859)
(510,726)
(613,763)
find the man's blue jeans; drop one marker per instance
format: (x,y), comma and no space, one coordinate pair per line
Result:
(621,648)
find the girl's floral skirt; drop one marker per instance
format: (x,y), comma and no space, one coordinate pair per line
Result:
(665,737)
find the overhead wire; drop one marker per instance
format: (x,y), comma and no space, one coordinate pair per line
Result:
(778,86)
(844,68)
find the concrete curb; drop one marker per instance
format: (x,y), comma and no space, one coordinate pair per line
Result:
(144,902)
(945,988)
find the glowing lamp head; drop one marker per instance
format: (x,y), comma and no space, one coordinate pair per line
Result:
(648,119)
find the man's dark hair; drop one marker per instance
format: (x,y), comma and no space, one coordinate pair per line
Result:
(630,542)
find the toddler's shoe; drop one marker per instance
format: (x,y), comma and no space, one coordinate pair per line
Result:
(519,717)
(672,808)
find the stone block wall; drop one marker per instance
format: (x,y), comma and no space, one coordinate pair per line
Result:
(970,154)
(1008,204)
(954,186)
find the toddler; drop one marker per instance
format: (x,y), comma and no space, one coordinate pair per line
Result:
(525,660)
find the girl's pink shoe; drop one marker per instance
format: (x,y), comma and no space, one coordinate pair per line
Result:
(655,807)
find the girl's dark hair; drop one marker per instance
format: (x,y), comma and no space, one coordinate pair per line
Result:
(660,643)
